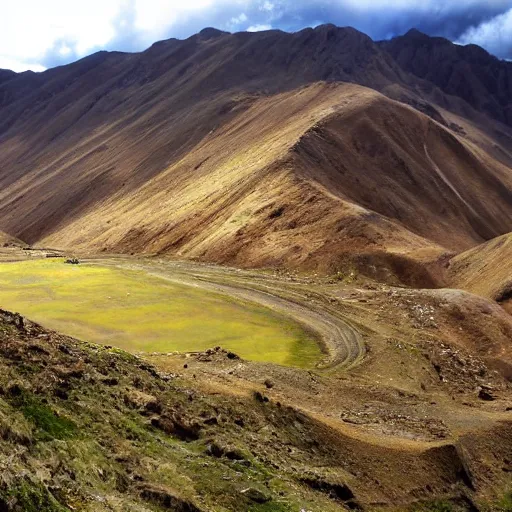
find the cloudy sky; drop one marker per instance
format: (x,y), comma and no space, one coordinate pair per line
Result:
(36,34)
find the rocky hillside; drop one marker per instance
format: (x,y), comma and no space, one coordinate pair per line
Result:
(468,72)
(91,428)
(186,149)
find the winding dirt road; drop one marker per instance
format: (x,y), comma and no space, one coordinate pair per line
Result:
(342,343)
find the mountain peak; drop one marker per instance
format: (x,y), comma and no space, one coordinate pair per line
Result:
(415,33)
(211,33)
(326,26)
(469,72)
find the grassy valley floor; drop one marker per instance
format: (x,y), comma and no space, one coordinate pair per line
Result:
(408,410)
(141,313)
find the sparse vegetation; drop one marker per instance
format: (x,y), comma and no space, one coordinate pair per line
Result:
(83,434)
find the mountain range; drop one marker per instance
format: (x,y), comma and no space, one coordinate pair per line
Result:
(318,150)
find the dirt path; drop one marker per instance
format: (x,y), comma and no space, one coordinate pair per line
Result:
(342,343)
(447,182)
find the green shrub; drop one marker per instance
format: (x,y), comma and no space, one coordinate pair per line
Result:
(28,496)
(48,423)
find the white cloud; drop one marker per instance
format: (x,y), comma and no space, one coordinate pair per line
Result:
(29,29)
(64,50)
(18,65)
(259,28)
(495,35)
(35,33)
(238,20)
(156,16)
(439,6)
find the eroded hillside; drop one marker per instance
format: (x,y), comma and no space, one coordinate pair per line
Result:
(186,150)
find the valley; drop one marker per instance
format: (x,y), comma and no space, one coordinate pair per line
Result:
(405,376)
(288,284)
(141,313)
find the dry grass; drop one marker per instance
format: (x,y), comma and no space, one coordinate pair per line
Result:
(485,270)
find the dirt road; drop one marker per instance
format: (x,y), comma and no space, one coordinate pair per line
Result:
(342,343)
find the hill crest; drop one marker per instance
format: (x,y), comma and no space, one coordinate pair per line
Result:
(188,150)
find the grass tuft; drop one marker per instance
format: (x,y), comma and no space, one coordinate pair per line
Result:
(48,423)
(27,496)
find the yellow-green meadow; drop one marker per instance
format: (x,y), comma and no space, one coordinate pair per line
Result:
(141,313)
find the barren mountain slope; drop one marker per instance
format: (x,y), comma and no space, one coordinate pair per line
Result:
(397,162)
(486,270)
(468,72)
(91,114)
(305,178)
(186,149)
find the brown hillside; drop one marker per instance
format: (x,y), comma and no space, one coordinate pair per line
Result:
(186,149)
(401,164)
(340,178)
(301,178)
(486,270)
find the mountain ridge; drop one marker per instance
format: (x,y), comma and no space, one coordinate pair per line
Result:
(216,124)
(467,71)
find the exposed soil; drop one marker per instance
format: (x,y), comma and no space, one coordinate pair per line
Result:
(410,408)
(303,159)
